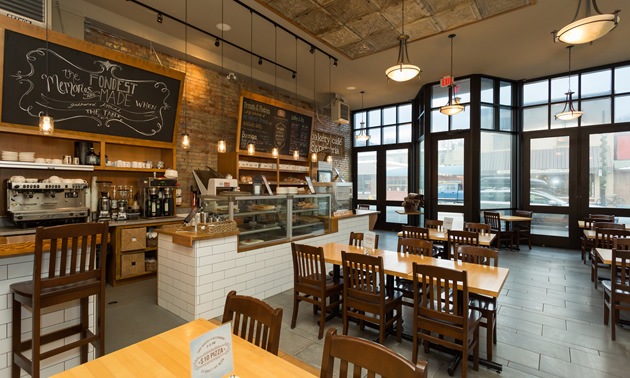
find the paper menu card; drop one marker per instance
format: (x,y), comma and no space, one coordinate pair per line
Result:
(448,223)
(369,240)
(211,353)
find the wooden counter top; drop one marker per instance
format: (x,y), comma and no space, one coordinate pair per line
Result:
(186,238)
(357,213)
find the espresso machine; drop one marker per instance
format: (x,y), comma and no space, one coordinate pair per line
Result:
(46,204)
(104,202)
(152,193)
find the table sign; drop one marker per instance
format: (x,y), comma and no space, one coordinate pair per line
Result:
(369,239)
(448,223)
(211,353)
(310,184)
(264,178)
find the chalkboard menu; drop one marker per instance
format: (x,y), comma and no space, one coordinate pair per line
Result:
(268,126)
(85,92)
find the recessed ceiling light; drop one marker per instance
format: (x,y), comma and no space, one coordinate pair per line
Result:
(224,27)
(351,88)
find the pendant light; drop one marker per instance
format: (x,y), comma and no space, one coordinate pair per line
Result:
(185,137)
(296,155)
(589,28)
(274,152)
(452,107)
(403,70)
(46,122)
(222,146)
(362,137)
(329,158)
(568,112)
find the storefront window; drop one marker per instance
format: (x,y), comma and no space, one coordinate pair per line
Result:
(609,170)
(496,171)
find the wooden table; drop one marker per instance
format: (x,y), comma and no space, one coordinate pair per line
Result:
(436,235)
(582,224)
(168,355)
(515,218)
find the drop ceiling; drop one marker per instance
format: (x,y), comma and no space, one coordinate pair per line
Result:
(504,38)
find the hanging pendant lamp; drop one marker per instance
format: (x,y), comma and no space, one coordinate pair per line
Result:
(568,112)
(589,28)
(403,70)
(452,107)
(46,121)
(186,136)
(362,137)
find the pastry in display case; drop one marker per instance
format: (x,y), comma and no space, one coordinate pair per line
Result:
(341,193)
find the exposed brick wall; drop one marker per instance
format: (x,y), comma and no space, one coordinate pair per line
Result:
(205,92)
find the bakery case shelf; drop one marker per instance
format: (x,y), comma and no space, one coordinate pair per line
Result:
(267,220)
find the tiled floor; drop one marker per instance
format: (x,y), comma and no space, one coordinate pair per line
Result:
(550,322)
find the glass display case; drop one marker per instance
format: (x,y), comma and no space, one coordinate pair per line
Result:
(267,219)
(341,193)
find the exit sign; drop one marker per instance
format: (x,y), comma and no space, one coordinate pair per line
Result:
(446,81)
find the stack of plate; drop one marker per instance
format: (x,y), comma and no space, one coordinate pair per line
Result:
(28,157)
(9,156)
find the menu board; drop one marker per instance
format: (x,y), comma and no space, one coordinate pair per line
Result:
(85,92)
(267,123)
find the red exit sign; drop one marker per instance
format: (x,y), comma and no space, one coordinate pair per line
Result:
(446,81)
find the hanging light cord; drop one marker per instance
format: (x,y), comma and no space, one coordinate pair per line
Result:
(185,64)
(570,48)
(403,17)
(47,50)
(222,73)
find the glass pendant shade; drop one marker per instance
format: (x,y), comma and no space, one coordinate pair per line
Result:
(403,70)
(314,157)
(329,158)
(588,28)
(186,141)
(452,108)
(251,150)
(274,152)
(296,155)
(568,112)
(362,137)
(222,147)
(46,125)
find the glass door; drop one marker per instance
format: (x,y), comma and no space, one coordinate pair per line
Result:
(396,188)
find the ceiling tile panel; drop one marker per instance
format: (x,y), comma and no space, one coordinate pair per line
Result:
(457,17)
(438,6)
(370,24)
(422,28)
(291,8)
(413,12)
(491,7)
(340,36)
(317,21)
(383,40)
(357,49)
(347,10)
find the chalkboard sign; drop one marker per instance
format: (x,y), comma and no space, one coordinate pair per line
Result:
(85,92)
(268,126)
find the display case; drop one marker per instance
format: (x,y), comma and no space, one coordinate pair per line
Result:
(264,220)
(341,194)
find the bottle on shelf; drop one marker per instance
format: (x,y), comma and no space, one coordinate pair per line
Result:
(92,158)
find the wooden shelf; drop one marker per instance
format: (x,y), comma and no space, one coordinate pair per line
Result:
(257,169)
(121,169)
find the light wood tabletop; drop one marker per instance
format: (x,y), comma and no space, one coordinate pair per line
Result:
(436,235)
(515,218)
(606,255)
(482,279)
(168,355)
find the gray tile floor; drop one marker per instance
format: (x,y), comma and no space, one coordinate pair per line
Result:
(550,321)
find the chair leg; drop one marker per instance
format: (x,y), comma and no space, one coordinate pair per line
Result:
(101,324)
(606,309)
(594,272)
(296,303)
(489,334)
(36,342)
(399,324)
(322,319)
(465,358)
(529,240)
(83,306)
(345,319)
(613,321)
(16,338)
(476,350)
(315,307)
(414,351)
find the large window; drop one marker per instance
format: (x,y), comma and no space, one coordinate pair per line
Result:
(595,93)
(440,97)
(366,175)
(609,170)
(496,171)
(389,125)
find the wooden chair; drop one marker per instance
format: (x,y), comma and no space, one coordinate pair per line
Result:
(457,238)
(368,355)
(604,238)
(437,225)
(415,247)
(310,283)
(364,290)
(362,206)
(356,239)
(494,220)
(72,274)
(523,230)
(483,303)
(436,315)
(617,290)
(480,228)
(415,232)
(254,320)
(586,244)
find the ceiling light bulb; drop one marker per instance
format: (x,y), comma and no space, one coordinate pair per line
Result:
(222,146)
(314,157)
(186,141)
(46,125)
(251,150)
(274,152)
(296,155)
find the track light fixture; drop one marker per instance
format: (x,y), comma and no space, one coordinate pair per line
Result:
(217,43)
(260,61)
(160,18)
(335,63)
(312,50)
(293,75)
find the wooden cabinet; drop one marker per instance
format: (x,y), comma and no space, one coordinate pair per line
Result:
(283,170)
(129,251)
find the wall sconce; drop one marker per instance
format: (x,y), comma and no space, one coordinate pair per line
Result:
(329,159)
(46,125)
(314,157)
(296,155)
(186,141)
(251,150)
(274,152)
(222,146)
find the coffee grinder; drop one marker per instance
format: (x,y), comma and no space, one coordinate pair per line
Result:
(168,202)
(104,202)
(123,203)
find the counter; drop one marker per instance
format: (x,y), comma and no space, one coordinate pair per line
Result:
(371,214)
(194,280)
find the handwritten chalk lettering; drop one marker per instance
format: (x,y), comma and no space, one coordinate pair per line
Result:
(65,87)
(257,108)
(250,136)
(112,83)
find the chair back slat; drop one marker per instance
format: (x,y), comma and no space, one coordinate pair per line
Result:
(448,296)
(477,255)
(434,224)
(415,232)
(415,246)
(67,256)
(254,320)
(493,219)
(592,218)
(605,237)
(309,266)
(523,226)
(480,228)
(368,358)
(457,238)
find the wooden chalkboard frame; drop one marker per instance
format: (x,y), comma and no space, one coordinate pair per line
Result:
(277,104)
(101,51)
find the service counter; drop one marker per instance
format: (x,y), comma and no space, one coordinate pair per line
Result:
(196,271)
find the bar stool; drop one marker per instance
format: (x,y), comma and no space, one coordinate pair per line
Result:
(72,274)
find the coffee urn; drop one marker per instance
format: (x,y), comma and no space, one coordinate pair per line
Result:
(154,194)
(168,202)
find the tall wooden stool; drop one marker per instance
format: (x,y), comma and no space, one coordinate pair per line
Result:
(73,274)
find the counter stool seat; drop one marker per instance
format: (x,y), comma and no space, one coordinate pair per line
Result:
(73,274)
